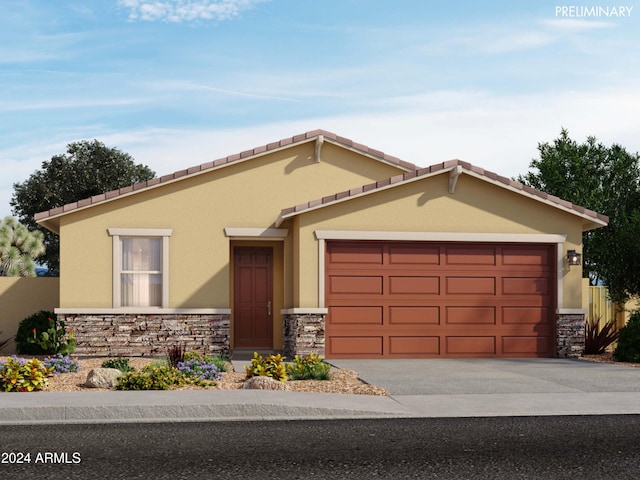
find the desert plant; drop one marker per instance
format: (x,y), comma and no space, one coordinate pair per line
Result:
(597,339)
(219,360)
(628,349)
(42,334)
(175,354)
(119,363)
(19,247)
(153,377)
(61,363)
(19,375)
(273,366)
(309,367)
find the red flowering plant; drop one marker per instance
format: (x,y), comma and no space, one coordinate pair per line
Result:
(43,334)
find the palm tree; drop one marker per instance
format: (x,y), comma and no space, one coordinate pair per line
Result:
(19,247)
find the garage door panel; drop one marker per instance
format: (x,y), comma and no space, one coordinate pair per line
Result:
(355,285)
(525,286)
(471,315)
(355,254)
(355,346)
(414,346)
(471,345)
(471,285)
(525,315)
(414,285)
(414,255)
(526,256)
(414,315)
(369,315)
(471,256)
(526,345)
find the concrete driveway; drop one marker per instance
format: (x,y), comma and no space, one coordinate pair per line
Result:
(494,376)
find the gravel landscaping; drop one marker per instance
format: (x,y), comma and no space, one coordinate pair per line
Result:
(341,381)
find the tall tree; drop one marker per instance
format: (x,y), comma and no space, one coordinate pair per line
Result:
(87,168)
(19,247)
(606,180)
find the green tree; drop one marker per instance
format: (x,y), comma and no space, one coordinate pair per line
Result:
(19,247)
(87,168)
(606,180)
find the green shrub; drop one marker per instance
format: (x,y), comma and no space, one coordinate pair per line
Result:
(153,377)
(628,349)
(119,363)
(309,367)
(597,339)
(42,334)
(19,375)
(272,366)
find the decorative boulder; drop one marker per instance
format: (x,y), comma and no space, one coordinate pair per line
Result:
(264,383)
(103,378)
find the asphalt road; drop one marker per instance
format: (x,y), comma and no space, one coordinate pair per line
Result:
(594,447)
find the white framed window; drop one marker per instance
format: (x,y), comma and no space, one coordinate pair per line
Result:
(140,267)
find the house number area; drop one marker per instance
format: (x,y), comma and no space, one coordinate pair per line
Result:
(14,458)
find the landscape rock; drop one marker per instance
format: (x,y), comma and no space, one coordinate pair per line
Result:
(103,378)
(264,383)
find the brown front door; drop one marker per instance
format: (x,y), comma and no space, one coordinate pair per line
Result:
(253,297)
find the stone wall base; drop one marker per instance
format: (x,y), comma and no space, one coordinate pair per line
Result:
(145,334)
(303,334)
(570,335)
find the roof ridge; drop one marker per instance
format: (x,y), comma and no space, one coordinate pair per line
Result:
(229,159)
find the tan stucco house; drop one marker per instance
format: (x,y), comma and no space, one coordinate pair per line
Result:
(318,243)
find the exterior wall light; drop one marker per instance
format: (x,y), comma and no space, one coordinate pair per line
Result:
(574,258)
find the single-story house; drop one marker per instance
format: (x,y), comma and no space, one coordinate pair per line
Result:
(316,243)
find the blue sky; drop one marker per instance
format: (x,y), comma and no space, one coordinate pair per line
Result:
(176,83)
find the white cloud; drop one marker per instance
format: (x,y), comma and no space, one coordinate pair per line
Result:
(177,11)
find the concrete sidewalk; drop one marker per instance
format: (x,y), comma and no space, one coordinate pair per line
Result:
(458,388)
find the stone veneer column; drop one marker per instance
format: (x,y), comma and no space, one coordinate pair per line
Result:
(303,334)
(146,334)
(570,335)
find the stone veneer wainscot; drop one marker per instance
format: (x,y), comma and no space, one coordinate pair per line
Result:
(570,335)
(148,334)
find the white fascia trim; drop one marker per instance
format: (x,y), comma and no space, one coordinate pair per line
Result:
(441,236)
(572,311)
(278,234)
(303,311)
(140,232)
(141,310)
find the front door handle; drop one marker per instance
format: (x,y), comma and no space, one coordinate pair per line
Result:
(269,308)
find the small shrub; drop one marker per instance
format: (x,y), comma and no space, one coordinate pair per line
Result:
(220,361)
(273,366)
(42,334)
(176,355)
(309,367)
(61,363)
(597,339)
(628,349)
(201,370)
(153,377)
(119,363)
(19,375)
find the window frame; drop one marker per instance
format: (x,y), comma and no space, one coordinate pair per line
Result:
(117,234)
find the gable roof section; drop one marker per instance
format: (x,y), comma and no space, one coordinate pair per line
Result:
(318,136)
(591,219)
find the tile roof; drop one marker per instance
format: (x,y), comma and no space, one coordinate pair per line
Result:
(439,168)
(221,162)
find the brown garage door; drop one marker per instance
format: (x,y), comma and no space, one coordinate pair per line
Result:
(405,299)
